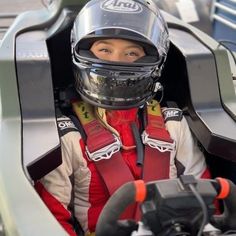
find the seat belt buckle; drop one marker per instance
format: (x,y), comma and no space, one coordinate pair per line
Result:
(160,145)
(105,152)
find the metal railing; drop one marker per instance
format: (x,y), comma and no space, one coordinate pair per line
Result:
(226,9)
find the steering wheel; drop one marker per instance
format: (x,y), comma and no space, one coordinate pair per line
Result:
(182,206)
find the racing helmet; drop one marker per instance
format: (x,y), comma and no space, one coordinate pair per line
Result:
(119,85)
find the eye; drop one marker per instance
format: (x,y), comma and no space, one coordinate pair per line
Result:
(104,50)
(132,54)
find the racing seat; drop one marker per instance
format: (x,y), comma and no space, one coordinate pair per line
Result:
(202,85)
(196,77)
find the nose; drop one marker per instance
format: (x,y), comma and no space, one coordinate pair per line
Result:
(116,57)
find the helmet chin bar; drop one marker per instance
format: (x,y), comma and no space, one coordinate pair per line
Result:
(115,105)
(121,104)
(116,86)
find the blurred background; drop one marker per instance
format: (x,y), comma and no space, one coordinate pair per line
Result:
(9,9)
(215,17)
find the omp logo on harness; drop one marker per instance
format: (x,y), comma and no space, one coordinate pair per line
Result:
(172,114)
(123,6)
(65,124)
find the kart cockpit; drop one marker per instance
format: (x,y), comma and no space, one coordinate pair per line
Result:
(37,82)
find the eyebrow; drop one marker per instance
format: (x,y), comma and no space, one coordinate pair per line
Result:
(109,43)
(101,41)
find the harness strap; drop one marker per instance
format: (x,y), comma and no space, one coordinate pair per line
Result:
(99,138)
(156,166)
(103,147)
(98,142)
(155,123)
(114,178)
(158,145)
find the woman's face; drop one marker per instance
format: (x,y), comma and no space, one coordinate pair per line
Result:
(117,50)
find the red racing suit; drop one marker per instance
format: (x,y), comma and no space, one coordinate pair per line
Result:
(77,182)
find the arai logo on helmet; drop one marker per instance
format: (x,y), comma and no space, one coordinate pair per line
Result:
(123,6)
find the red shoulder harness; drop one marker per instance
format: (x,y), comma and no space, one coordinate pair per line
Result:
(103,147)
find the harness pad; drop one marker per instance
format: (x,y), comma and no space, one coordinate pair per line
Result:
(65,125)
(174,114)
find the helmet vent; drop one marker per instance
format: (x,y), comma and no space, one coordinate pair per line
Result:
(126,74)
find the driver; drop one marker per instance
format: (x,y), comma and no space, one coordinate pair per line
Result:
(117,131)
